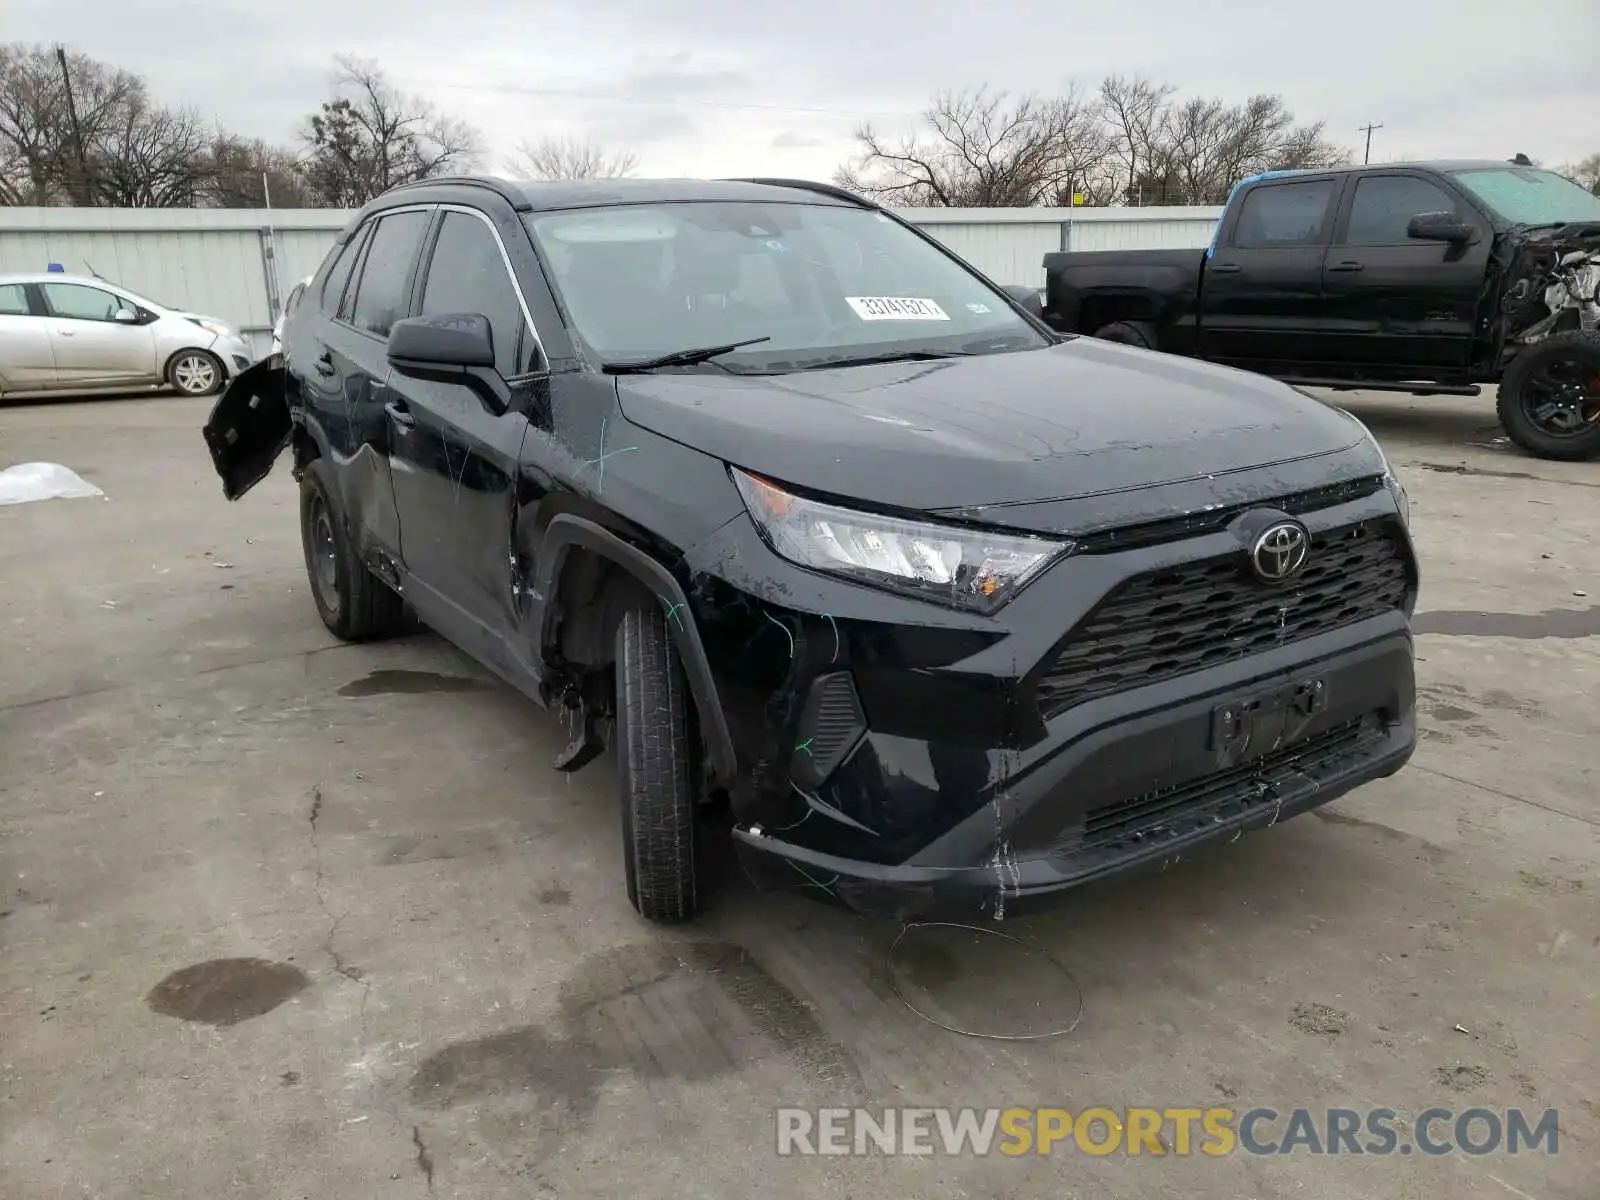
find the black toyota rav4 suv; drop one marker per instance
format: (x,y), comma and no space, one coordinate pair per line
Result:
(832,539)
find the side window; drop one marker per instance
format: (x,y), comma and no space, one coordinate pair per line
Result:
(468,275)
(1284,214)
(13,300)
(333,288)
(80,302)
(1384,205)
(381,296)
(346,311)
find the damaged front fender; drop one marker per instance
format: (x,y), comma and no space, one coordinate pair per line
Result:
(249,426)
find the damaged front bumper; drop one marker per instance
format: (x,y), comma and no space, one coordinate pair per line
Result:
(1138,701)
(1132,781)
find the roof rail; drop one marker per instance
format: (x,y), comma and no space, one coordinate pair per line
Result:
(503,188)
(807,185)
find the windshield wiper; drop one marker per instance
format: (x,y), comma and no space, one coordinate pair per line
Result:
(679,358)
(892,356)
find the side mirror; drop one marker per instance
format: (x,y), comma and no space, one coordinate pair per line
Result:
(1439,227)
(449,342)
(125,316)
(1030,298)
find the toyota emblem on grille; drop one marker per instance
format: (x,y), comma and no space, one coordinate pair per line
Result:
(1279,553)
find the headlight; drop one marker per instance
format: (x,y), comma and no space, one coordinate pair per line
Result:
(973,569)
(1391,481)
(216,327)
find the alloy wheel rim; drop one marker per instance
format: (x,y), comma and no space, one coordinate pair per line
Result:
(195,374)
(1563,396)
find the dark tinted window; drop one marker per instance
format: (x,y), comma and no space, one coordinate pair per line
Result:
(468,275)
(1384,205)
(333,287)
(381,297)
(13,300)
(1284,214)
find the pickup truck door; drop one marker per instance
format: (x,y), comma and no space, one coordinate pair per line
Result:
(1394,302)
(1261,287)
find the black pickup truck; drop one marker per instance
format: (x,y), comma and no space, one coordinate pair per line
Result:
(1426,278)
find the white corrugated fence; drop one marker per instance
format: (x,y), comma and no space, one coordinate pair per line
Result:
(238,263)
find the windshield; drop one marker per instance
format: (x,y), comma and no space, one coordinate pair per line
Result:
(1525,196)
(820,283)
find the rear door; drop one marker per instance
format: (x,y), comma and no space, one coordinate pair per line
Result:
(343,370)
(455,444)
(26,363)
(1261,289)
(90,346)
(1395,303)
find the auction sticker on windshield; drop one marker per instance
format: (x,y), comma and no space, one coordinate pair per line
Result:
(896,308)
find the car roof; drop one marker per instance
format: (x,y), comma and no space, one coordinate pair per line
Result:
(539,195)
(58,277)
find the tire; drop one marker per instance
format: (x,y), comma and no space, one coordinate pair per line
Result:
(1562,371)
(353,603)
(196,372)
(1129,333)
(655,769)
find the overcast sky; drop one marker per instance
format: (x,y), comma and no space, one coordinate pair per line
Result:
(718,87)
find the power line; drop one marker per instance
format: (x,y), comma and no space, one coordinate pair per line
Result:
(1367,129)
(614,98)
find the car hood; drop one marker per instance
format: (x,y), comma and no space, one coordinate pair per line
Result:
(1079,419)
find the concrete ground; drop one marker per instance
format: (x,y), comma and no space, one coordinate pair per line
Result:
(451,996)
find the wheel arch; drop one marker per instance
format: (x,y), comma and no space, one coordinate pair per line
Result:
(579,561)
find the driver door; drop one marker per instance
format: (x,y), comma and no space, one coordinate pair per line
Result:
(91,347)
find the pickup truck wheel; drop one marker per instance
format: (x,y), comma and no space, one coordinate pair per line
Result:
(1550,397)
(353,603)
(655,768)
(1129,333)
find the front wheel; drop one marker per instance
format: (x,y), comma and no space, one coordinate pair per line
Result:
(196,372)
(655,768)
(1550,397)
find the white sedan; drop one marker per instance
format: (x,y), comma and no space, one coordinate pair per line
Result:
(62,333)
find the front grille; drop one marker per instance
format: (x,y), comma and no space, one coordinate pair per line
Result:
(1172,529)
(1213,798)
(1168,623)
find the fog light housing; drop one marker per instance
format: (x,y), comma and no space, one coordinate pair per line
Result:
(831,723)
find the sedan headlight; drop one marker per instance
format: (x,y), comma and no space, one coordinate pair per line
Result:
(974,569)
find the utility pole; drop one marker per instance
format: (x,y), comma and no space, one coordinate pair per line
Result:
(86,193)
(1367,129)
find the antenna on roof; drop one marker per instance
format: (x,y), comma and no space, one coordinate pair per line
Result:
(1522,160)
(95,273)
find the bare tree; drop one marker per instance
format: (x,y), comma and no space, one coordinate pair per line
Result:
(250,173)
(1133,109)
(985,150)
(1130,143)
(1585,172)
(370,137)
(570,158)
(150,157)
(41,158)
